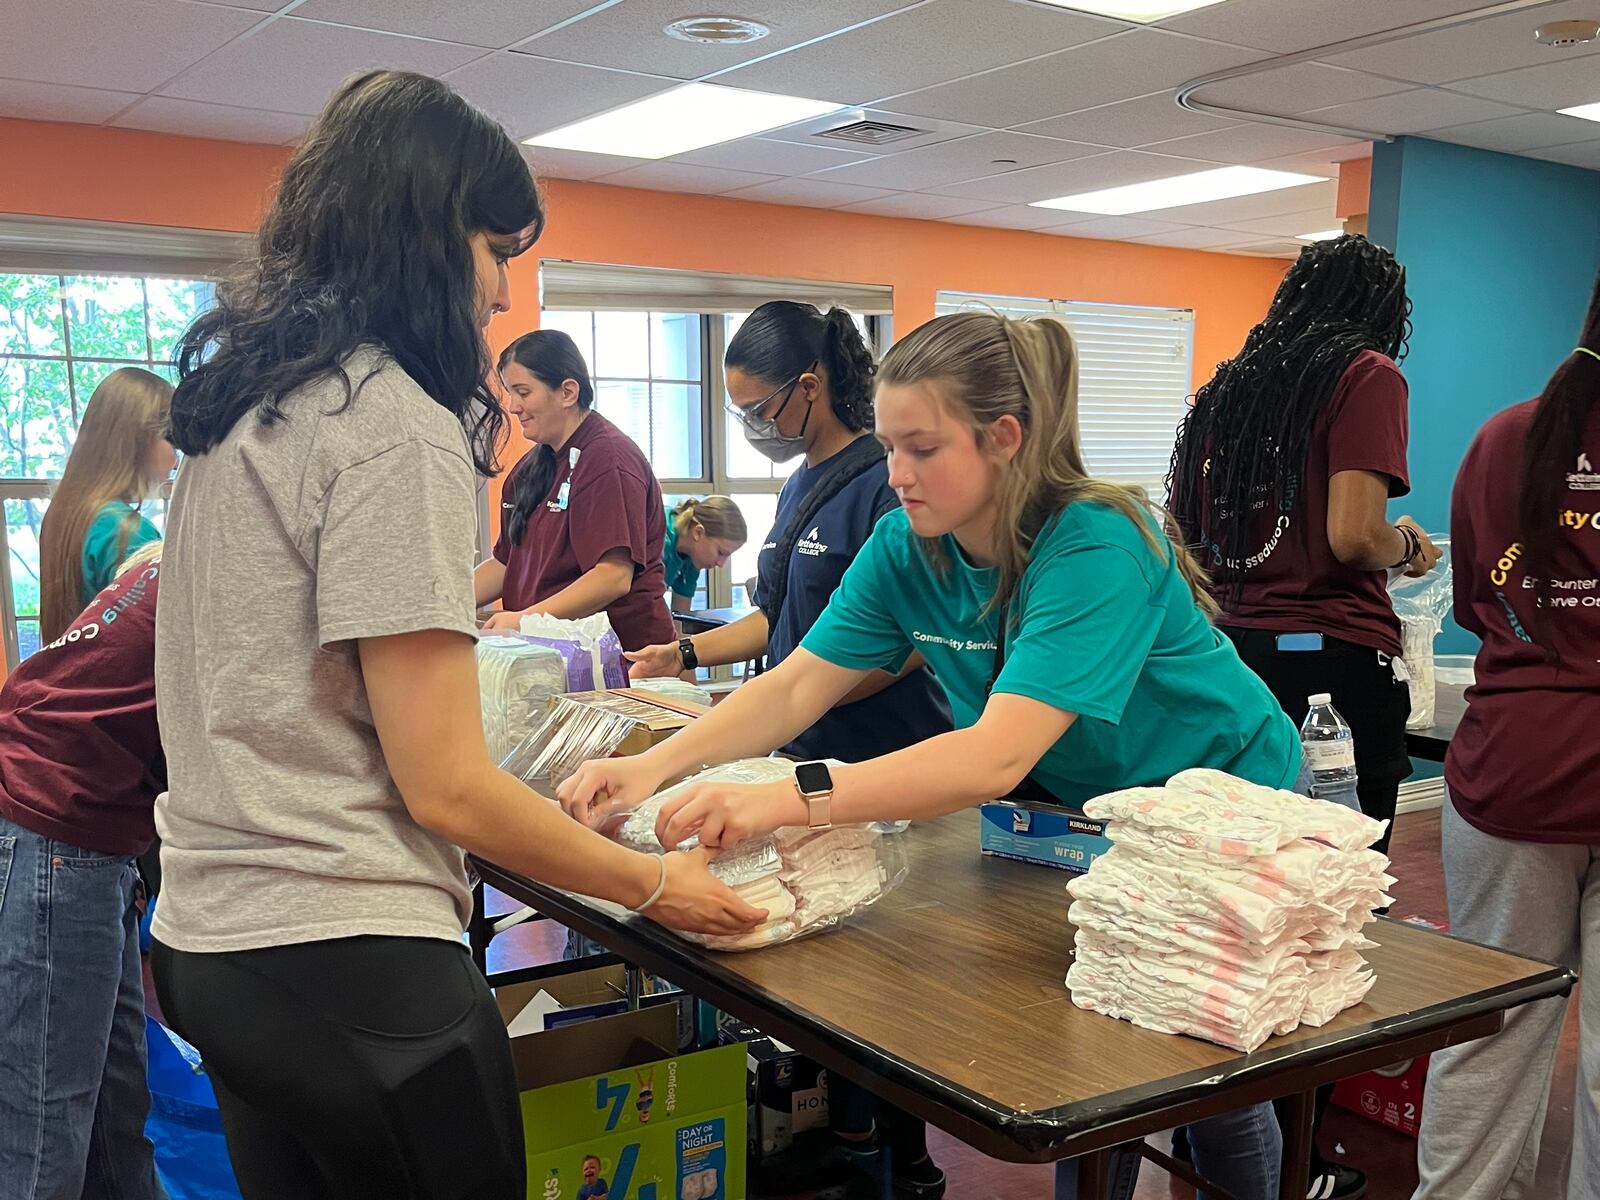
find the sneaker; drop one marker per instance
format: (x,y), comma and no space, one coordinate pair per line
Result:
(1335,1181)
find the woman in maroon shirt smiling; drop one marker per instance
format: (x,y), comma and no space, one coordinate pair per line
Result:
(582,523)
(1521,827)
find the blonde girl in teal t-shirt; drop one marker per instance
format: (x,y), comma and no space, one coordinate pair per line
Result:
(1108,673)
(701,534)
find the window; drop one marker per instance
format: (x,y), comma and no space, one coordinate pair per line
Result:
(60,335)
(1134,367)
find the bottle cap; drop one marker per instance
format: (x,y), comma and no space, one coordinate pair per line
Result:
(1319,698)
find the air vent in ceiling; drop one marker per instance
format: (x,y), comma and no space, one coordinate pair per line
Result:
(871,133)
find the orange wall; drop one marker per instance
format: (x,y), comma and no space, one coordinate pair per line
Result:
(118,175)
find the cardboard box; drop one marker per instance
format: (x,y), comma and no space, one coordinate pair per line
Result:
(611,1099)
(1041,833)
(567,1000)
(788,1092)
(654,717)
(1392,1096)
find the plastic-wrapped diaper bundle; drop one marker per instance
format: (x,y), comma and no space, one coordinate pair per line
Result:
(1226,911)
(807,881)
(589,650)
(516,678)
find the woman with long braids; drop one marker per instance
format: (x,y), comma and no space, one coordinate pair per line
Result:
(1280,479)
(1520,830)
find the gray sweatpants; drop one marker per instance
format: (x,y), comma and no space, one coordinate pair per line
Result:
(1484,1107)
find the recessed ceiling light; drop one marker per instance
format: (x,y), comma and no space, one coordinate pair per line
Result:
(717,31)
(1322,236)
(1180,190)
(1589,112)
(1143,11)
(683,119)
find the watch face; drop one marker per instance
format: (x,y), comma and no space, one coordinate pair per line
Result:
(813,777)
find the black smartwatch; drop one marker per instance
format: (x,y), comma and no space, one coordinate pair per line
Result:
(691,660)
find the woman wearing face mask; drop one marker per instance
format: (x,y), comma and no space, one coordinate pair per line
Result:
(582,521)
(701,534)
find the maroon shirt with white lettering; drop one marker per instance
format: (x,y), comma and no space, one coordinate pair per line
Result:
(613,503)
(1293,581)
(80,750)
(1525,763)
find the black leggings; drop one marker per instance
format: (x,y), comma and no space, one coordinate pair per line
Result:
(353,1068)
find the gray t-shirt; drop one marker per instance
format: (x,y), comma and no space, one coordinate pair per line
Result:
(284,545)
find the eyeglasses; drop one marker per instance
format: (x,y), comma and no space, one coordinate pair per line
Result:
(750,416)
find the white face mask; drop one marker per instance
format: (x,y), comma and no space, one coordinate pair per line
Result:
(762,432)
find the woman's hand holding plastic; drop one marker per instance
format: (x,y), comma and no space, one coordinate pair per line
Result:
(604,788)
(655,662)
(726,814)
(696,900)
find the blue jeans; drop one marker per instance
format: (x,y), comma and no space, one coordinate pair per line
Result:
(1239,1151)
(73,1089)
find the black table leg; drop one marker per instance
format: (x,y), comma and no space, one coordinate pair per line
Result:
(1297,1113)
(480,930)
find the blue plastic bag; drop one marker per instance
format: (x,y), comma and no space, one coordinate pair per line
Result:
(184,1124)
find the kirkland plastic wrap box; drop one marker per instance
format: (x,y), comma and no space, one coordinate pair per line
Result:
(1041,833)
(611,1109)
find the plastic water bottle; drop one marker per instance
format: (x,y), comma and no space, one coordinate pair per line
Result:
(1330,752)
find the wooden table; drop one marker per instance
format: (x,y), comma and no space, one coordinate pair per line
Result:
(947,999)
(1449,706)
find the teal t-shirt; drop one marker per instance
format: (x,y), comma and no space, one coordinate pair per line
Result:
(683,577)
(104,547)
(1102,625)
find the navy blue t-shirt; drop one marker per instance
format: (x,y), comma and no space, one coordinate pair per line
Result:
(904,713)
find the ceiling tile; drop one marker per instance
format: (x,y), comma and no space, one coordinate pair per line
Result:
(1513,135)
(488,23)
(1298,88)
(1582,154)
(1225,213)
(1130,123)
(968,158)
(1286,27)
(810,192)
(1143,60)
(1117,229)
(1319,162)
(531,95)
(919,47)
(294,66)
(1497,44)
(574,164)
(57,102)
(1191,238)
(630,36)
(1018,216)
(920,207)
(1112,169)
(682,177)
(1561,84)
(1250,144)
(135,45)
(193,119)
(930,133)
(1286,224)
(1410,112)
(771,157)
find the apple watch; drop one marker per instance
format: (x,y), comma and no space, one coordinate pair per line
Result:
(815,783)
(691,660)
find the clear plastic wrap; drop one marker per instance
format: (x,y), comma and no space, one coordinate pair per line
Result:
(516,679)
(807,881)
(674,689)
(588,647)
(1422,605)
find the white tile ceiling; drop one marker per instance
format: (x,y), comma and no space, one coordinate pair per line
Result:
(1014,101)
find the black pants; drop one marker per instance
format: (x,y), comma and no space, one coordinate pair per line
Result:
(353,1068)
(1367,695)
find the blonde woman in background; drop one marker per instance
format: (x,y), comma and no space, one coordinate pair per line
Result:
(701,534)
(119,460)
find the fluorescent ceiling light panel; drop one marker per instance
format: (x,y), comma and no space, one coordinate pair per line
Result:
(1180,190)
(1589,112)
(1323,236)
(1143,11)
(680,120)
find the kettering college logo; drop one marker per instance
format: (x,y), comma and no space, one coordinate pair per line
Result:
(1583,478)
(812,543)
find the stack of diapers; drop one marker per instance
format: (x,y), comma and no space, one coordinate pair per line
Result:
(807,881)
(1226,911)
(516,678)
(589,650)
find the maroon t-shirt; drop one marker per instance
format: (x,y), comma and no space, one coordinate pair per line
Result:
(80,751)
(1293,582)
(1525,761)
(613,503)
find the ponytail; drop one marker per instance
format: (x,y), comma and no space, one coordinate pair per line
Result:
(551,357)
(783,339)
(719,516)
(1555,437)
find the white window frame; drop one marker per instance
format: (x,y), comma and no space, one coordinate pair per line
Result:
(1141,397)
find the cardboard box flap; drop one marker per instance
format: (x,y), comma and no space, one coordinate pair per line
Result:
(577,990)
(609,1043)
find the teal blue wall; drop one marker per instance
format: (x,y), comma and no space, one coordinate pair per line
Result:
(1500,255)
